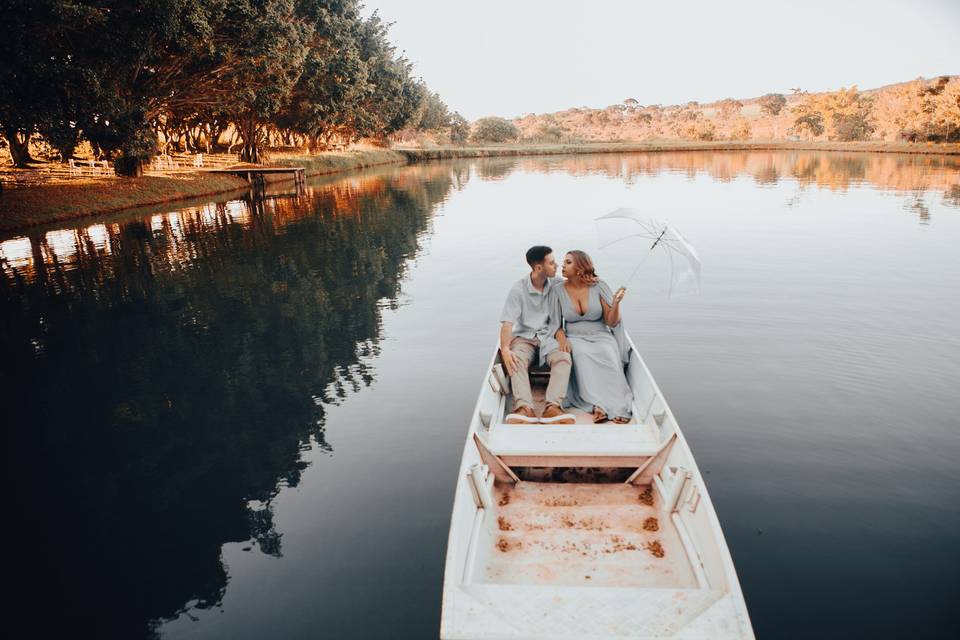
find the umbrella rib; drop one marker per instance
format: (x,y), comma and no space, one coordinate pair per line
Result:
(670,255)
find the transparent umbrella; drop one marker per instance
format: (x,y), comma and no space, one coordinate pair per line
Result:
(632,239)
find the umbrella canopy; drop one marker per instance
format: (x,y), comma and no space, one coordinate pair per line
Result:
(634,238)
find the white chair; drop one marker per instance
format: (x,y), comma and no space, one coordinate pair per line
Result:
(75,169)
(198,160)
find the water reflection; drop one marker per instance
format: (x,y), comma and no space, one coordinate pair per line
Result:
(163,374)
(899,173)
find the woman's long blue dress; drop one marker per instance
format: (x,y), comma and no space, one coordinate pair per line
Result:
(597,378)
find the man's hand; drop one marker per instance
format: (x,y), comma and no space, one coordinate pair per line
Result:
(509,360)
(506,337)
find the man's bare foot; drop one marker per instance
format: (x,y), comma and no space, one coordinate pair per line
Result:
(522,415)
(555,415)
(598,415)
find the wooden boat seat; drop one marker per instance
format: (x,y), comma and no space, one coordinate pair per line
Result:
(606,444)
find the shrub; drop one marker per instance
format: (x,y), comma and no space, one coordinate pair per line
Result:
(705,131)
(741,130)
(459,128)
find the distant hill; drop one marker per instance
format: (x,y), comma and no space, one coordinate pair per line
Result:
(918,110)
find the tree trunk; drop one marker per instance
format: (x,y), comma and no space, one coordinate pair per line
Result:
(19,144)
(128,167)
(217,132)
(234,139)
(250,133)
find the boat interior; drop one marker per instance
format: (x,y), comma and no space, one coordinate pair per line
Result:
(550,519)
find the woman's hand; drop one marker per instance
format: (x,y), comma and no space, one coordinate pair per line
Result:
(564,343)
(611,312)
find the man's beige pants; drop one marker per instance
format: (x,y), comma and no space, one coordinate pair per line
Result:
(559,363)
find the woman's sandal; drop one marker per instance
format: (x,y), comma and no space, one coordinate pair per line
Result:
(599,416)
(621,420)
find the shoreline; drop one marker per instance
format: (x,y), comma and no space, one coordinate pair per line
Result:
(659,146)
(26,207)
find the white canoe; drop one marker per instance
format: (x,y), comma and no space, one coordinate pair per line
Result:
(634,551)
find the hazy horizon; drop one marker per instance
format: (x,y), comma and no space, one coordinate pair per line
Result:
(509,59)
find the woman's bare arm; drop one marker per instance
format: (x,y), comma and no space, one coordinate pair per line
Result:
(611,312)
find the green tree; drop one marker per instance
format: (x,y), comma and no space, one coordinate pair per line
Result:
(434,113)
(120,74)
(43,83)
(852,126)
(267,44)
(494,129)
(811,123)
(335,77)
(772,103)
(394,97)
(459,128)
(147,58)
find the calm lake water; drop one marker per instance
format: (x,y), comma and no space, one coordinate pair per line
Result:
(244,419)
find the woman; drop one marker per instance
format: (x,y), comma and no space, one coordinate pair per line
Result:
(591,313)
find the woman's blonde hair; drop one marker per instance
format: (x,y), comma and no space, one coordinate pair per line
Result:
(583,266)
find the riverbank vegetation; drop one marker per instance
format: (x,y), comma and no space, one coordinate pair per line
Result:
(128,80)
(917,111)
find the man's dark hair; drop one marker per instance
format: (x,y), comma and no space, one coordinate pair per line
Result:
(537,254)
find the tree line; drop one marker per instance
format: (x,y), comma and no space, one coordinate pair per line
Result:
(124,75)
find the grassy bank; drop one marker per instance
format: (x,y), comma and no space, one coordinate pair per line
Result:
(338,162)
(29,206)
(41,204)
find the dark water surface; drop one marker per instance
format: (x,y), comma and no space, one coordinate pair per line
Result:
(244,420)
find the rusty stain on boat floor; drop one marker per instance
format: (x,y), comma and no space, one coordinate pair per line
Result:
(559,533)
(506,545)
(646,497)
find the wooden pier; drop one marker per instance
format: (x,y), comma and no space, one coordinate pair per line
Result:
(255,176)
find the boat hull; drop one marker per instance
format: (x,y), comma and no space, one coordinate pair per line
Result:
(585,531)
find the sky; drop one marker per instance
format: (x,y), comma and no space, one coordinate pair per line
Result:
(505,58)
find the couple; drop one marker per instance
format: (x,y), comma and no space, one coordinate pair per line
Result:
(574,326)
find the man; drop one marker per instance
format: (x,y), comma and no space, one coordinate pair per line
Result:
(526,335)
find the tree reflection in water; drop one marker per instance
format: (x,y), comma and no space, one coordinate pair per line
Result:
(163,378)
(900,173)
(163,375)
